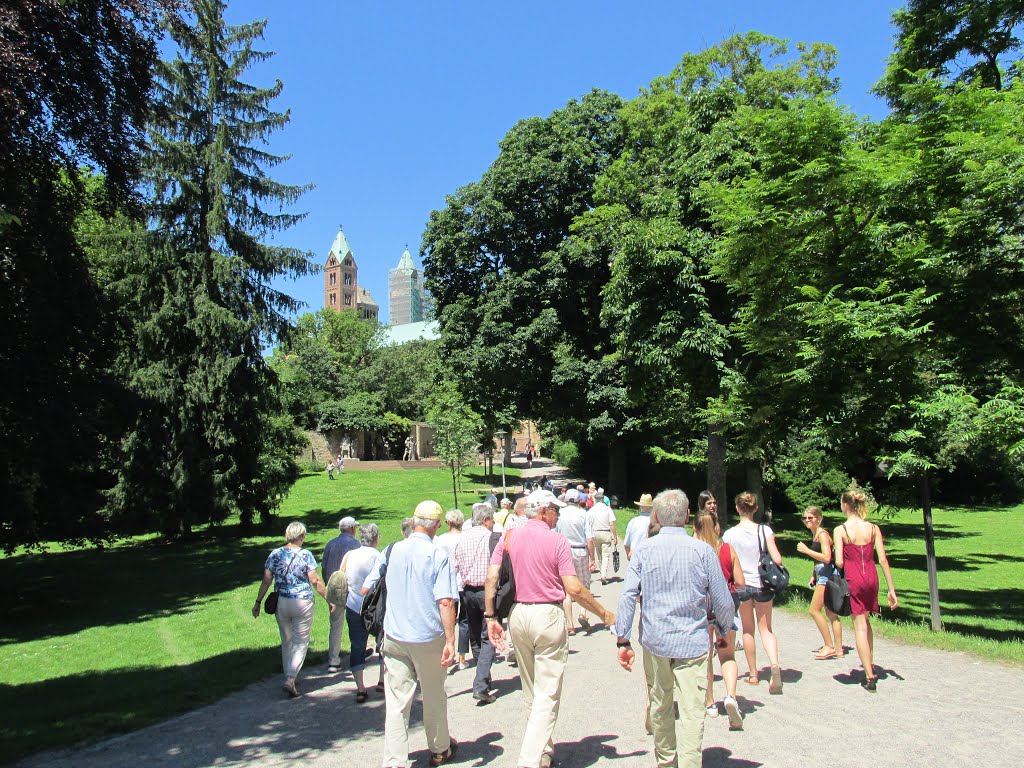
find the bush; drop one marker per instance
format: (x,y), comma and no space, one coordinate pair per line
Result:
(809,476)
(310,466)
(566,453)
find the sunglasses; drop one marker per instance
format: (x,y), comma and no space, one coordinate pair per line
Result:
(806,519)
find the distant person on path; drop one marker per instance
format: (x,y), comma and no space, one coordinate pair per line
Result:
(678,576)
(857,542)
(334,554)
(544,574)
(330,469)
(419,637)
(492,498)
(819,549)
(504,514)
(706,528)
(340,462)
(293,571)
(455,521)
(573,524)
(472,556)
(529,455)
(636,530)
(358,564)
(606,539)
(747,539)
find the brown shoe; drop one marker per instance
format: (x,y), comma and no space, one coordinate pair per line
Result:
(440,758)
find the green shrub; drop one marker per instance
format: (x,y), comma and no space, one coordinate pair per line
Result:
(807,475)
(308,465)
(566,453)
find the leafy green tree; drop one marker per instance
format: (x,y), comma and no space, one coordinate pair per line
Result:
(205,307)
(457,430)
(74,79)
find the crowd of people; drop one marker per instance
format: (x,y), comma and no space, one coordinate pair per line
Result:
(693,593)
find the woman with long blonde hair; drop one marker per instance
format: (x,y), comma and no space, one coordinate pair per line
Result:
(748,539)
(706,528)
(819,549)
(857,544)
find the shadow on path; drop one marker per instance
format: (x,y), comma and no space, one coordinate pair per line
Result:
(589,750)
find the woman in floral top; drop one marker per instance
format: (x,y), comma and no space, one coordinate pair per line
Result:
(293,570)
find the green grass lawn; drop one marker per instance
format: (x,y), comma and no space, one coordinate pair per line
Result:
(97,642)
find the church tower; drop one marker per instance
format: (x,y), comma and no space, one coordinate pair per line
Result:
(341,281)
(405,292)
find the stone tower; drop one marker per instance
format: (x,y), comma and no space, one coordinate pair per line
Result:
(341,281)
(405,292)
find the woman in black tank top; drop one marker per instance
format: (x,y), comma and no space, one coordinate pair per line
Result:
(819,549)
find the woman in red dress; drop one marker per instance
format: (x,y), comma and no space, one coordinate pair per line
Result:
(857,542)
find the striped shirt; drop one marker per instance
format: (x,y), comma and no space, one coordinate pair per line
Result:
(675,573)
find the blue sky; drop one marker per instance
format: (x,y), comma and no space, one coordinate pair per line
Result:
(395,105)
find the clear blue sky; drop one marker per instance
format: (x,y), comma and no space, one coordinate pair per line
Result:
(395,105)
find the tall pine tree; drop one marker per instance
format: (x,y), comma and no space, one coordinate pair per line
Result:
(209,438)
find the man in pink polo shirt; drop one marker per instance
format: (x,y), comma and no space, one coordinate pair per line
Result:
(544,574)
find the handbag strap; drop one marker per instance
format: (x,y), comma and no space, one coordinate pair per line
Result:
(760,534)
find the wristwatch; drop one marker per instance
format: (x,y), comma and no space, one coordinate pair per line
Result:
(623,644)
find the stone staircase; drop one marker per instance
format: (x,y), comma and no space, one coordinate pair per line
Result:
(355,465)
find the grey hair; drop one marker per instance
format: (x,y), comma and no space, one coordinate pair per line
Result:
(294,532)
(425,522)
(455,518)
(407,525)
(369,534)
(532,510)
(482,511)
(672,508)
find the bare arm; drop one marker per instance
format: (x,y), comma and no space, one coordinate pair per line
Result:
(494,631)
(884,562)
(838,539)
(737,570)
(447,608)
(575,589)
(773,550)
(264,586)
(825,556)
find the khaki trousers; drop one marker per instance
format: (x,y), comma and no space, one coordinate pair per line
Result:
(294,621)
(603,553)
(405,664)
(677,743)
(542,648)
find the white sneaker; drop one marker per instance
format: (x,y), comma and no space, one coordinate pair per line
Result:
(463,665)
(732,709)
(713,710)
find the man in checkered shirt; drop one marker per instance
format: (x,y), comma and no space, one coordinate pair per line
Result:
(472,555)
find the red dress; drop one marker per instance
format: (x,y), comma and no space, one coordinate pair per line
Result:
(861,575)
(725,561)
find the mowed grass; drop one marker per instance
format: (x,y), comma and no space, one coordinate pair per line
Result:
(97,642)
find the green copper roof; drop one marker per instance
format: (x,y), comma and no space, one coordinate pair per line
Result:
(340,246)
(405,263)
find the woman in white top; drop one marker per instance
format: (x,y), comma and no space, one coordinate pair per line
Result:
(357,565)
(748,540)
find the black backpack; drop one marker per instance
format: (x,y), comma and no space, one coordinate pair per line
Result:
(375,601)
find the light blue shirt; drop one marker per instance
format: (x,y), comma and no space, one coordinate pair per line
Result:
(419,574)
(636,531)
(676,574)
(291,569)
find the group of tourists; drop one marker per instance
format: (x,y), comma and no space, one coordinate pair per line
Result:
(448,593)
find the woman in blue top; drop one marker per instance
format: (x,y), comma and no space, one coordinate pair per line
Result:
(293,570)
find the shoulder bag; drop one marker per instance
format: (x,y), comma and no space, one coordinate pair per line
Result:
(774,578)
(375,601)
(505,596)
(337,585)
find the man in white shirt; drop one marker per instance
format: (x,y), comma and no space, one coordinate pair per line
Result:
(637,529)
(574,525)
(602,524)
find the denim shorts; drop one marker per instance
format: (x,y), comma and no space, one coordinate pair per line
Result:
(821,573)
(757,594)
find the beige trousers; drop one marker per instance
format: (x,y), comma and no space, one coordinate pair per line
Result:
(334,636)
(294,621)
(603,553)
(677,743)
(405,664)
(542,648)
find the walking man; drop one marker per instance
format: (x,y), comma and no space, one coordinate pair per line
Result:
(602,523)
(472,557)
(636,530)
(334,553)
(419,637)
(573,524)
(544,574)
(677,575)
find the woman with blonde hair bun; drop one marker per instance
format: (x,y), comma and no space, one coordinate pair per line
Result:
(747,539)
(857,543)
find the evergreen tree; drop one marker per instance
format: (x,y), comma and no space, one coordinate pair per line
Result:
(208,440)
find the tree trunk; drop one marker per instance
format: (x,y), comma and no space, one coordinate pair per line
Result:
(618,470)
(929,548)
(755,484)
(455,491)
(716,472)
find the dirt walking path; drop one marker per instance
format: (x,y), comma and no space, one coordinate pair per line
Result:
(933,708)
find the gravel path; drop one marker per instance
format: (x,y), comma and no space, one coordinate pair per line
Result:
(933,708)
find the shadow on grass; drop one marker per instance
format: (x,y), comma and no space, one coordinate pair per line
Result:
(151,579)
(1005,604)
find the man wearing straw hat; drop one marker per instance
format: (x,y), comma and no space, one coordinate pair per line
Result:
(419,637)
(636,531)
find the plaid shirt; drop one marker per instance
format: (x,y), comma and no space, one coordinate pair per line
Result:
(472,555)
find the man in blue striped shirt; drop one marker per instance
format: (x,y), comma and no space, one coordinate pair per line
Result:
(677,575)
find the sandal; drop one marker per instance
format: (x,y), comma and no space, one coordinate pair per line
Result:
(440,758)
(380,687)
(825,654)
(571,632)
(753,679)
(361,697)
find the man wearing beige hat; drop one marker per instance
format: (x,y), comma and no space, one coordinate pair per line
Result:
(419,637)
(636,531)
